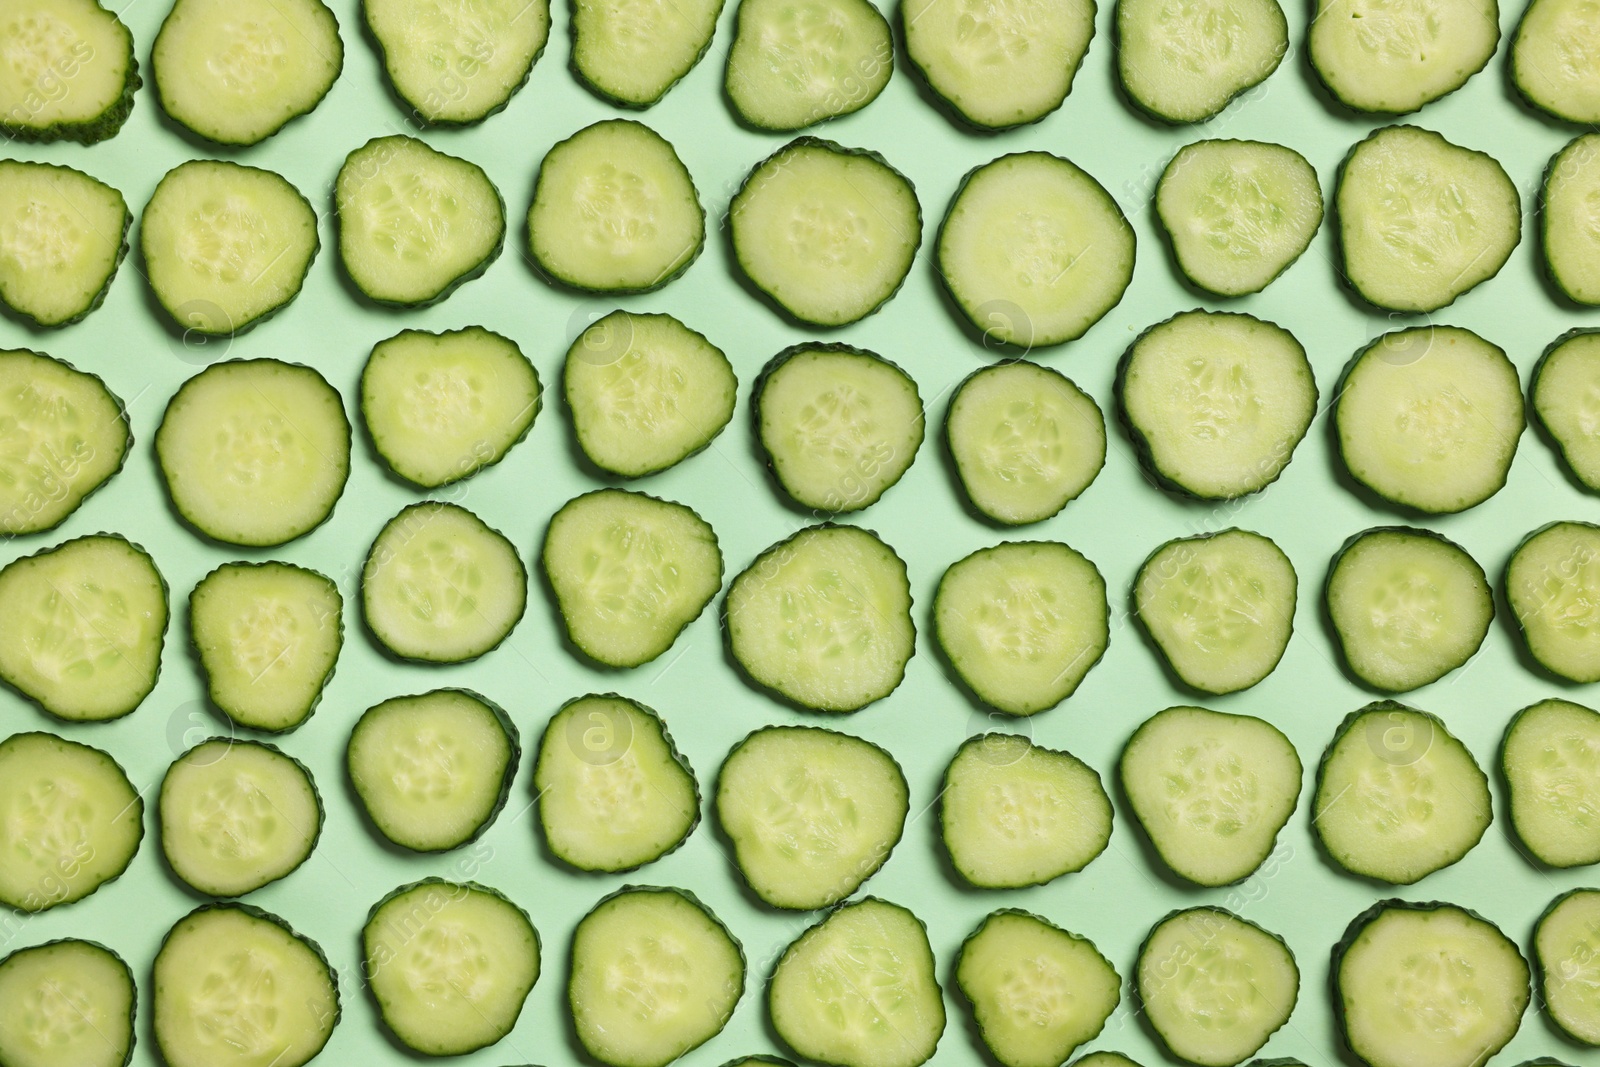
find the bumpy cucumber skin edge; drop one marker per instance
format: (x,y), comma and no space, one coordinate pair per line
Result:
(1345,726)
(566,391)
(933,971)
(223,142)
(672,750)
(779,1061)
(1141,444)
(470,274)
(1122,781)
(138,807)
(438,505)
(1138,579)
(1539,967)
(944,791)
(414,110)
(1503,762)
(233,329)
(127,972)
(776,364)
(104,125)
(682,894)
(111,276)
(780,549)
(372,438)
(1144,109)
(750,122)
(1167,228)
(972,1001)
(1357,109)
(776,163)
(253,912)
(311,846)
(166,605)
(1226,915)
(1358,926)
(1340,264)
(1536,417)
(889,847)
(633,105)
(1505,583)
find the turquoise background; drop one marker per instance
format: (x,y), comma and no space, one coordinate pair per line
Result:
(1116,523)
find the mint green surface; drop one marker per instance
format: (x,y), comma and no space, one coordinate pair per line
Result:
(1119,520)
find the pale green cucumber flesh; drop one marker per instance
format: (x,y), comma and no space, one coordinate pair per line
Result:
(1551,63)
(632,51)
(66,1003)
(62,237)
(1565,396)
(1553,585)
(794,63)
(1394,56)
(456,62)
(1566,948)
(1551,761)
(69,71)
(1183,62)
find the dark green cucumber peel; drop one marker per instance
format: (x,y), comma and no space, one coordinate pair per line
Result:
(133,987)
(103,126)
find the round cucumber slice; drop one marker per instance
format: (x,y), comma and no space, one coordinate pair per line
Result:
(1549,64)
(1183,62)
(456,62)
(255,452)
(66,1002)
(68,71)
(1383,56)
(1013,814)
(1022,623)
(824,619)
(1033,250)
(614,793)
(1565,397)
(1553,584)
(631,52)
(828,233)
(70,821)
(794,63)
(67,434)
(615,210)
(450,965)
(440,586)
(812,813)
(62,237)
(1566,950)
(1551,761)
(441,407)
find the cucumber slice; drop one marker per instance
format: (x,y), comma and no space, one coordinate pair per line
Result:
(1013,814)
(62,237)
(1117,1059)
(70,821)
(1565,398)
(66,1002)
(1397,796)
(1215,986)
(1551,761)
(858,989)
(441,407)
(1566,951)
(1391,58)
(433,771)
(795,63)
(68,72)
(629,573)
(415,223)
(615,210)
(999,64)
(1025,441)
(237,71)
(267,636)
(1216,402)
(1422,220)
(1408,606)
(1037,992)
(1550,59)
(235,986)
(1022,623)
(632,52)
(614,793)
(824,619)
(654,974)
(440,586)
(839,425)
(1219,607)
(1183,62)
(456,62)
(254,452)
(450,965)
(1553,584)
(812,813)
(1211,790)
(237,815)
(1033,250)
(1238,213)
(1427,985)
(66,435)
(226,246)
(1428,418)
(82,626)
(827,233)
(646,392)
